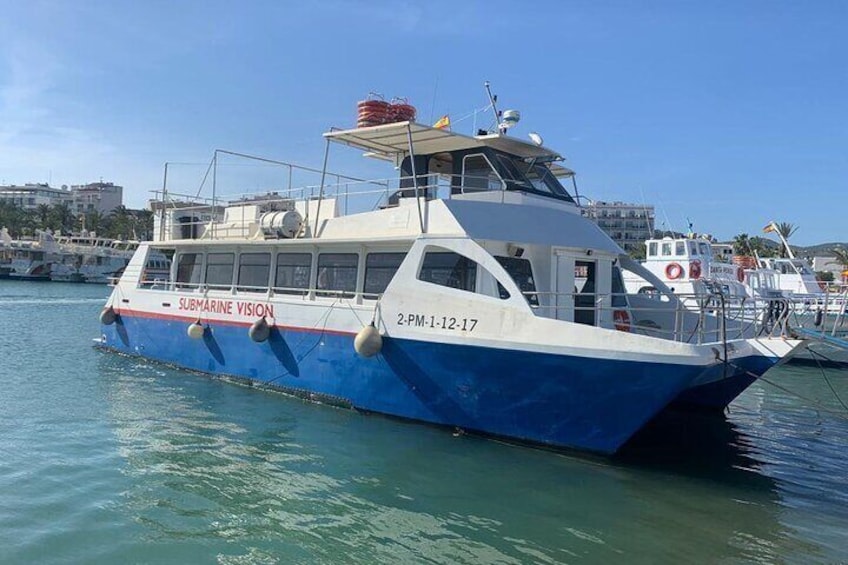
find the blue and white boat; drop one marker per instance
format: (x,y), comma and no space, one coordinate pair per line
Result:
(473,296)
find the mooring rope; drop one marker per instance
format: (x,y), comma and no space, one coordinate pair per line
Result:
(818,405)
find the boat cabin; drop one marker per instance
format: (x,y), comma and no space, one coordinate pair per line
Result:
(794,276)
(478,214)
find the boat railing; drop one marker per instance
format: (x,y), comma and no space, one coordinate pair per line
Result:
(690,318)
(829,309)
(205,218)
(257,292)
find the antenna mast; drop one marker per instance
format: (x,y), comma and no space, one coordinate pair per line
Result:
(493,100)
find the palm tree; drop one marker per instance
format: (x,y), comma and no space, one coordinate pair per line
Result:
(8,216)
(145,224)
(43,211)
(742,244)
(841,258)
(94,221)
(786,230)
(121,224)
(63,218)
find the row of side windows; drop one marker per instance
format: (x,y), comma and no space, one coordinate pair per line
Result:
(336,272)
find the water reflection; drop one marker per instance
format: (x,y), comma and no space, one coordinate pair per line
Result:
(252,474)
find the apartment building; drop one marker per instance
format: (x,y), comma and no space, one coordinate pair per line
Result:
(628,224)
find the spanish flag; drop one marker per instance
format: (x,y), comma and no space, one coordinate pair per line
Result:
(770,227)
(444,122)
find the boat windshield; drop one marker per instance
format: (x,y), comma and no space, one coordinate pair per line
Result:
(801,267)
(533,177)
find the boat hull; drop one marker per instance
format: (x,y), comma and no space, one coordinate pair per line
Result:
(557,400)
(721,384)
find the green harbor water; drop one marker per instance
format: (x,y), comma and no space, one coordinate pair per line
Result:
(108,459)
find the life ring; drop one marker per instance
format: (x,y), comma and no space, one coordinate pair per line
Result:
(621,320)
(695,269)
(740,274)
(674,271)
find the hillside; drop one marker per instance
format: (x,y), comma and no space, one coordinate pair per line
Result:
(822,249)
(818,250)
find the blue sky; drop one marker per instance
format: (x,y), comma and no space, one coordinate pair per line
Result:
(728,113)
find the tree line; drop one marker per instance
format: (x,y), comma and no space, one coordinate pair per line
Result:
(120,223)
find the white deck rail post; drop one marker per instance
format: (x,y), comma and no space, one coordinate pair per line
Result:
(414,176)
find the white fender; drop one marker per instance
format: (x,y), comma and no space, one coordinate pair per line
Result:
(368,342)
(196,330)
(260,330)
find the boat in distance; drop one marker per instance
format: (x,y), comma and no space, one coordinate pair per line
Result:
(473,295)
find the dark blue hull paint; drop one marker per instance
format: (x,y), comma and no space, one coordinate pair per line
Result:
(591,404)
(728,382)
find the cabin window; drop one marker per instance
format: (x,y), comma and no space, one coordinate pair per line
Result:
(652,249)
(254,270)
(532,176)
(293,272)
(680,248)
(219,270)
(479,175)
(188,270)
(337,274)
(666,249)
(449,269)
(693,249)
(379,270)
(522,273)
(704,249)
(801,268)
(157,269)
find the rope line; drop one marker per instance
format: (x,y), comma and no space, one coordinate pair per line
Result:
(819,406)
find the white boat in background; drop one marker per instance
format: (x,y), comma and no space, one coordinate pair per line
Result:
(819,307)
(793,276)
(33,259)
(6,253)
(91,259)
(688,266)
(474,296)
(83,258)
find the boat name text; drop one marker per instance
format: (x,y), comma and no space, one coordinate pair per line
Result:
(218,306)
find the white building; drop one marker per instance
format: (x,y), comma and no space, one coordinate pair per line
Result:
(31,195)
(828,264)
(100,197)
(628,224)
(723,252)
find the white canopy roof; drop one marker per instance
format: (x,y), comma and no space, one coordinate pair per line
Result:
(389,140)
